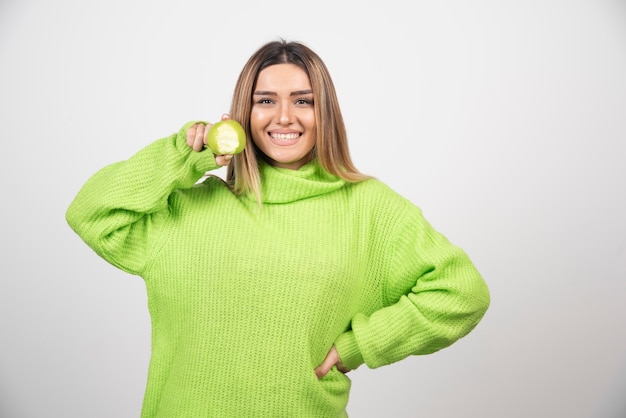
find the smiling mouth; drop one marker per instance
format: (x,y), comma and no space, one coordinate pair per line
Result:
(285,137)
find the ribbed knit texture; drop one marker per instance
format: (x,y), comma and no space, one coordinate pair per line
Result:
(246,301)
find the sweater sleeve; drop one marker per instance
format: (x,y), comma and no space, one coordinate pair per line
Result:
(116,210)
(433,296)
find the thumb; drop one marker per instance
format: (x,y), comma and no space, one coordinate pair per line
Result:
(223,160)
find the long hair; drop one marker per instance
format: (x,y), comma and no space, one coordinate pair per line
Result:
(331,145)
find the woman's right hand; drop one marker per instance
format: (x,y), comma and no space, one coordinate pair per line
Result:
(197,136)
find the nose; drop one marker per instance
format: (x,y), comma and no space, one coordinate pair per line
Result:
(284,114)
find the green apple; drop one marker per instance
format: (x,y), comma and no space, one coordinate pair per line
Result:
(226,137)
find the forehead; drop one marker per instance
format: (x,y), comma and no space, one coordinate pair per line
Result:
(283,77)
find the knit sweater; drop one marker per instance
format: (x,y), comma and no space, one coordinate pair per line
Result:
(247,299)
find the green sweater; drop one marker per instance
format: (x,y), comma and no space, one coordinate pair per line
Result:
(247,300)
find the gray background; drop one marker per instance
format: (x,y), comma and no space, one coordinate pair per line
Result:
(504,120)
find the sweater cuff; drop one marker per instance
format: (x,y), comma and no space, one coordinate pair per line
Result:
(348,350)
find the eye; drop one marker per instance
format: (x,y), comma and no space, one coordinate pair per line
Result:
(304,102)
(264,100)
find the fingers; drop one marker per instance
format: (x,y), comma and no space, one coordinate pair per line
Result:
(191,134)
(343,369)
(196,136)
(196,139)
(331,359)
(223,160)
(322,370)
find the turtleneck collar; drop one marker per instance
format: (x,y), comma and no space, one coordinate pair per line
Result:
(283,185)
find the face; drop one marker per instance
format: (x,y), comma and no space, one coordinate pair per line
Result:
(283,118)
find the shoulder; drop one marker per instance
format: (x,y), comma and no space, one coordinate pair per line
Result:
(383,203)
(378,193)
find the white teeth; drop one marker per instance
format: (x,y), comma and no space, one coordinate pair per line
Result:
(285,137)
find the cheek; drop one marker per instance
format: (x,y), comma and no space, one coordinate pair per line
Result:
(255,120)
(309,122)
(257,125)
(310,126)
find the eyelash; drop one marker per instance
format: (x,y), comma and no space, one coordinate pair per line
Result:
(301,101)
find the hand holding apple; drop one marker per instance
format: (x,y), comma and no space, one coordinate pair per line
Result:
(226,137)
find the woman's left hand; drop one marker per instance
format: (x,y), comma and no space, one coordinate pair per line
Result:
(332,359)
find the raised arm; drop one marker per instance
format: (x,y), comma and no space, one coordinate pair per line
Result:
(116,209)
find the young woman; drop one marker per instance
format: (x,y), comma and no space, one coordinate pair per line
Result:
(266,288)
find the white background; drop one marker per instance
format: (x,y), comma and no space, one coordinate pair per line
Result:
(504,120)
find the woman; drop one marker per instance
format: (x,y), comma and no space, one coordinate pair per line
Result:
(266,288)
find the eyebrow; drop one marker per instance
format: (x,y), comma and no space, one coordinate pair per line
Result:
(272,93)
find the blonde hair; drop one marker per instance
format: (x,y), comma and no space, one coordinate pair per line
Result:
(331,147)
